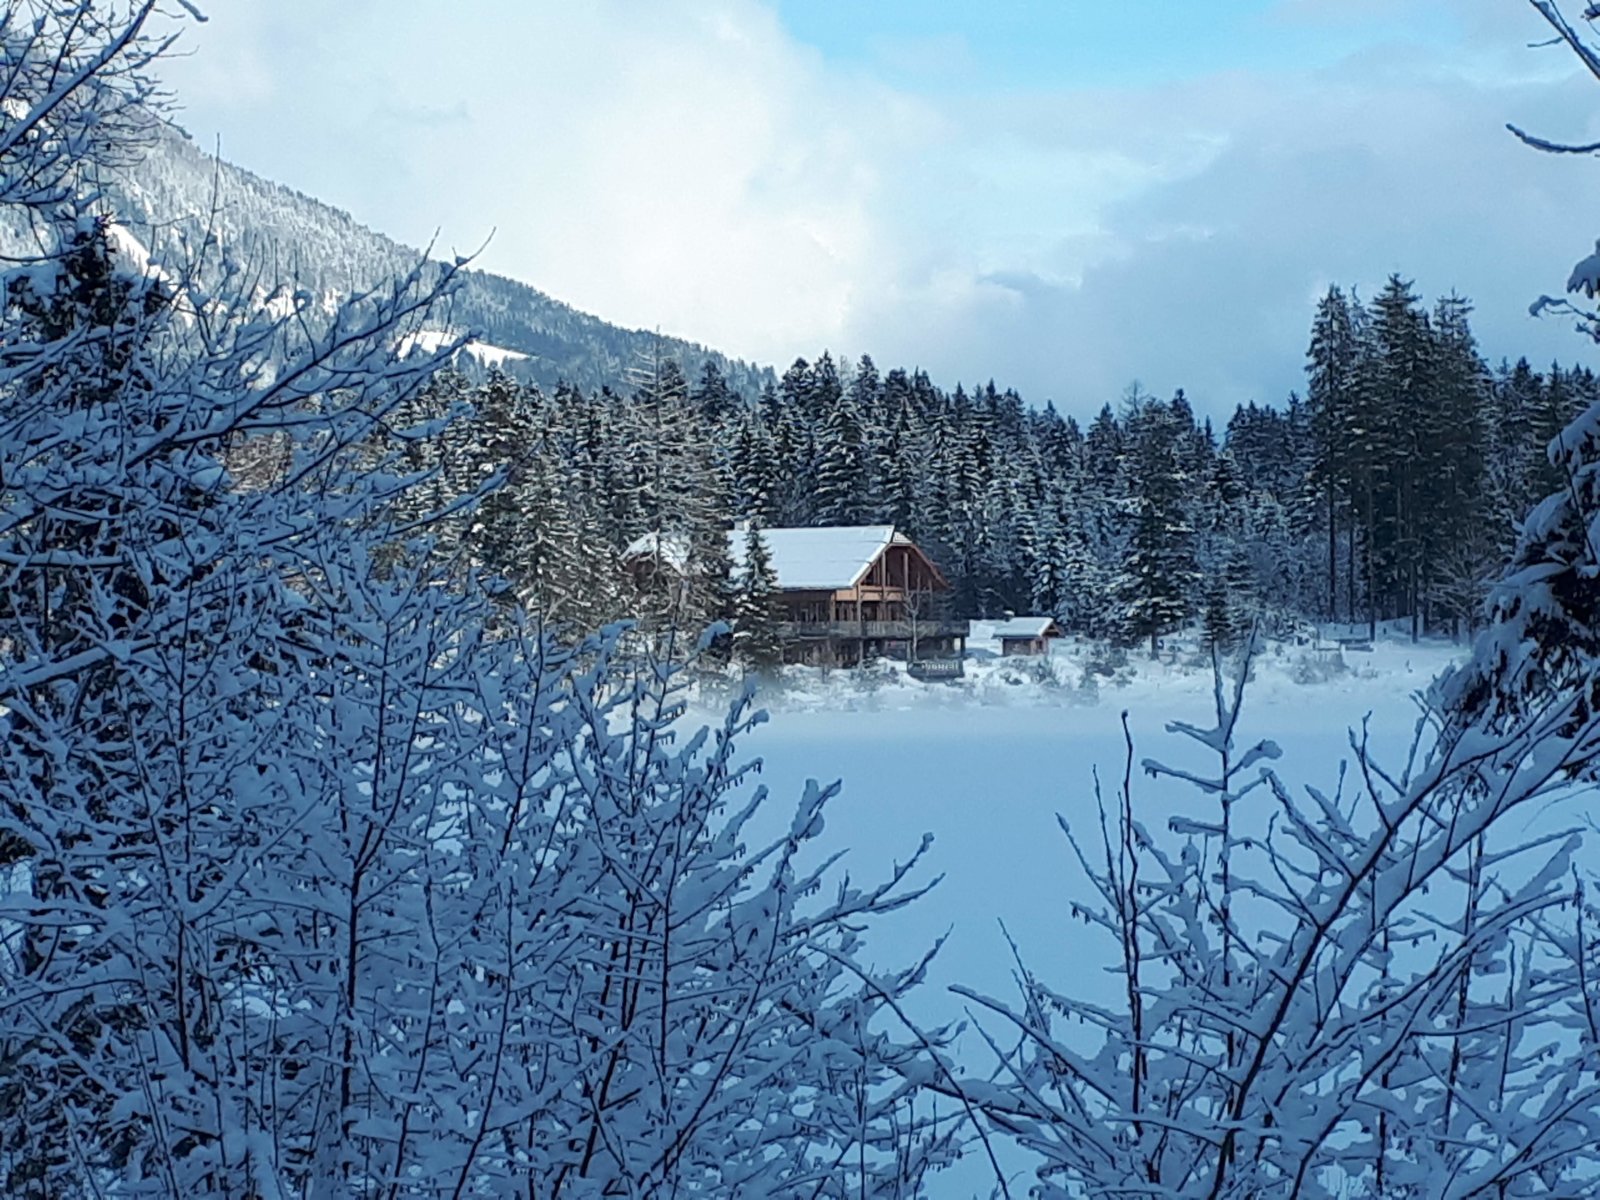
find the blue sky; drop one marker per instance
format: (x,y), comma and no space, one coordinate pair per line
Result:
(1064,197)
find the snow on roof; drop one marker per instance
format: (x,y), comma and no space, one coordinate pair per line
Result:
(804,560)
(825,559)
(1013,627)
(673,549)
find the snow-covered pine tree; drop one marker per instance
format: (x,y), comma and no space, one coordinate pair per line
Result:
(895,472)
(757,646)
(789,416)
(1401,361)
(1228,602)
(1043,552)
(710,589)
(1230,607)
(865,393)
(1086,604)
(1452,509)
(1332,367)
(841,483)
(754,470)
(1156,585)
(714,401)
(503,444)
(431,432)
(683,506)
(1511,448)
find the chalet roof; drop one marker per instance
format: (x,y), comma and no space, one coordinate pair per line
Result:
(821,559)
(1015,627)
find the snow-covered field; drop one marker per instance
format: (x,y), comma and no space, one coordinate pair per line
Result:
(986,765)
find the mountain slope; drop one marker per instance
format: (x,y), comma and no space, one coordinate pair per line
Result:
(179,193)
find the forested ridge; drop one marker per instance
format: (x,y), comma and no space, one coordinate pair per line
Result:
(1392,489)
(188,209)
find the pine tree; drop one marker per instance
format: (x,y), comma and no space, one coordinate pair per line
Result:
(1452,509)
(714,401)
(1230,602)
(841,480)
(753,468)
(785,420)
(1043,547)
(865,391)
(1394,427)
(1513,448)
(1156,583)
(1333,361)
(896,474)
(757,645)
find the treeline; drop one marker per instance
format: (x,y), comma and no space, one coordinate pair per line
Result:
(1390,491)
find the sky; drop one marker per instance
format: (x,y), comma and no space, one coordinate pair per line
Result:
(1064,196)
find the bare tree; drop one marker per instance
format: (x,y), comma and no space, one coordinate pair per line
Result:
(323,874)
(1380,991)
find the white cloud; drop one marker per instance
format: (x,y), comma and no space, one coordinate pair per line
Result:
(689,166)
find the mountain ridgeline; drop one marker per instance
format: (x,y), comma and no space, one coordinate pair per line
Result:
(178,195)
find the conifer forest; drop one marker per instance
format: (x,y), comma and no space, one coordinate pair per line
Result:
(1391,489)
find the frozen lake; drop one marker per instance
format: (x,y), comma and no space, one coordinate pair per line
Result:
(987,780)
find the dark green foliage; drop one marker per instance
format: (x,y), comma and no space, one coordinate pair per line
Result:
(842,496)
(1390,491)
(1156,586)
(756,643)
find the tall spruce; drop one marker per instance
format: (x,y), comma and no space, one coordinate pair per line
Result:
(757,643)
(1156,585)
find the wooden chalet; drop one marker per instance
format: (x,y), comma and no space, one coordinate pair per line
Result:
(848,592)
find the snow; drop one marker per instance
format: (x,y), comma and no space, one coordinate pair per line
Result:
(672,550)
(284,302)
(430,341)
(133,252)
(984,764)
(1585,275)
(824,559)
(1012,627)
(492,355)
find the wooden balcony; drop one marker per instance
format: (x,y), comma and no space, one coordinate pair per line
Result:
(876,631)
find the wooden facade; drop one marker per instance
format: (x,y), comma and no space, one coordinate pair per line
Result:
(1028,647)
(892,611)
(847,593)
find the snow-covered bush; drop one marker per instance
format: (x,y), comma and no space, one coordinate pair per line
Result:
(321,873)
(1384,990)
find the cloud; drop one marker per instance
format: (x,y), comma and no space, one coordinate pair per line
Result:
(689,166)
(682,165)
(1205,279)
